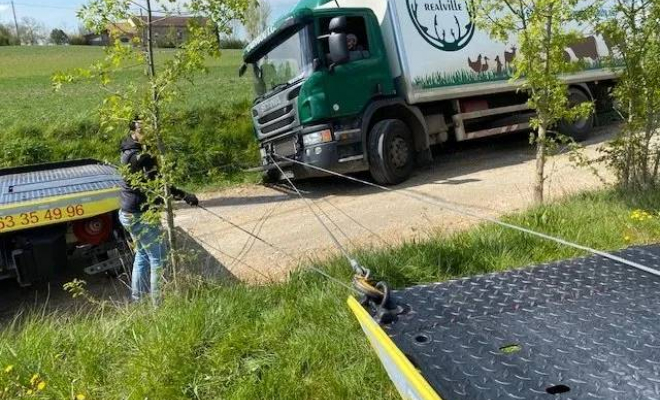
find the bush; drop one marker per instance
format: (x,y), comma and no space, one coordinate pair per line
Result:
(218,146)
(232,43)
(7,38)
(77,40)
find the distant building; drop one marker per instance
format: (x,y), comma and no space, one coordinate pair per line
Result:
(168,31)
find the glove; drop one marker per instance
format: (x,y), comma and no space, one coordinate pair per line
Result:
(191,199)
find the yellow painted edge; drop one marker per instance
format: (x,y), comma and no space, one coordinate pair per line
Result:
(405,366)
(92,209)
(60,198)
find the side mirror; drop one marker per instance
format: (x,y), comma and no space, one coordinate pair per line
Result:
(338,25)
(337,42)
(338,49)
(241,71)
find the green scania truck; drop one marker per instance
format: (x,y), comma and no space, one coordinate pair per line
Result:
(357,85)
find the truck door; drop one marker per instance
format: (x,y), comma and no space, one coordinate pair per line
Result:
(350,86)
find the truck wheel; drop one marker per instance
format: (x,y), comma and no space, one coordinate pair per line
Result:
(391,152)
(579,129)
(271,176)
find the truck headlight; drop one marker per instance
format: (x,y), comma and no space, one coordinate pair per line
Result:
(323,136)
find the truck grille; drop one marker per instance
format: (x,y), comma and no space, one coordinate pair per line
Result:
(286,147)
(277,115)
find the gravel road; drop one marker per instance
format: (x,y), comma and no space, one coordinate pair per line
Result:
(491,177)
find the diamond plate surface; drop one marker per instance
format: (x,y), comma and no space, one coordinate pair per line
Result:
(38,185)
(589,324)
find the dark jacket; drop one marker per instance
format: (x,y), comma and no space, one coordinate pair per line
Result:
(134,200)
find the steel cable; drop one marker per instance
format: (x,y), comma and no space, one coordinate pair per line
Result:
(354,264)
(445,204)
(274,247)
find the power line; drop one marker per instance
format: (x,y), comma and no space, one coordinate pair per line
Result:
(44,6)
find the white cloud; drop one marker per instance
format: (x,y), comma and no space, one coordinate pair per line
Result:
(3,8)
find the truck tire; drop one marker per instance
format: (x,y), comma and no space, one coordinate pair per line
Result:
(391,152)
(580,129)
(271,176)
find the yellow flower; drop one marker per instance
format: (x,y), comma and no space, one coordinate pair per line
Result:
(80,396)
(626,238)
(30,392)
(9,368)
(34,379)
(41,385)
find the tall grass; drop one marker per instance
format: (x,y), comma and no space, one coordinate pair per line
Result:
(292,340)
(212,145)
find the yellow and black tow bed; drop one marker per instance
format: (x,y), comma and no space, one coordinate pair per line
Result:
(586,328)
(52,212)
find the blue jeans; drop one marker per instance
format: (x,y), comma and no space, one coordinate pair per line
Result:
(150,253)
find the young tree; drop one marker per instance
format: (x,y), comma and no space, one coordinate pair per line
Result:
(543,30)
(632,28)
(32,31)
(58,37)
(257,18)
(153,97)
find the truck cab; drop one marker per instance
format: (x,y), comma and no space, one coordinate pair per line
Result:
(313,91)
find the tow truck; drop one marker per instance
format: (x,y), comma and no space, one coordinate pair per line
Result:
(60,215)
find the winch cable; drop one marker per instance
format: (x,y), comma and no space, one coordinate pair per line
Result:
(247,232)
(357,268)
(444,204)
(253,269)
(274,247)
(256,230)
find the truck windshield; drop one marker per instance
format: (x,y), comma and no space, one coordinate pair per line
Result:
(288,62)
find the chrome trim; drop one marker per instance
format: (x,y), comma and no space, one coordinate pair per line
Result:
(352,158)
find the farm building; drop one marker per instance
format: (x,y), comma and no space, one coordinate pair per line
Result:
(168,31)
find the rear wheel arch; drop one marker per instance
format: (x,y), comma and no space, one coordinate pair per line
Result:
(579,130)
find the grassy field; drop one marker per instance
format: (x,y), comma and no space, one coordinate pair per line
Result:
(294,340)
(27,97)
(38,124)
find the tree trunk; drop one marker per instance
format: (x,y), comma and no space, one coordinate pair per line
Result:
(540,165)
(541,137)
(169,210)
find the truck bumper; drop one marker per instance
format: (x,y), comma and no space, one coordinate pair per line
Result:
(332,156)
(328,156)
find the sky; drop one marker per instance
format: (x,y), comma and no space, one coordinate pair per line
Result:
(62,13)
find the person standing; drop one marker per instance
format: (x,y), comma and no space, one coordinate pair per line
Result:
(148,237)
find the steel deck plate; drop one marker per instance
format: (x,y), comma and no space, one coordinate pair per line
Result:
(36,185)
(589,324)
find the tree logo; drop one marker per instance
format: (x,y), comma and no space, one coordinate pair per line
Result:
(446,25)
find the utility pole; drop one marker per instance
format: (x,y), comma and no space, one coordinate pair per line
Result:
(18,34)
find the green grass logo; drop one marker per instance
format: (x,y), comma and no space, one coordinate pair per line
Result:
(446,25)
